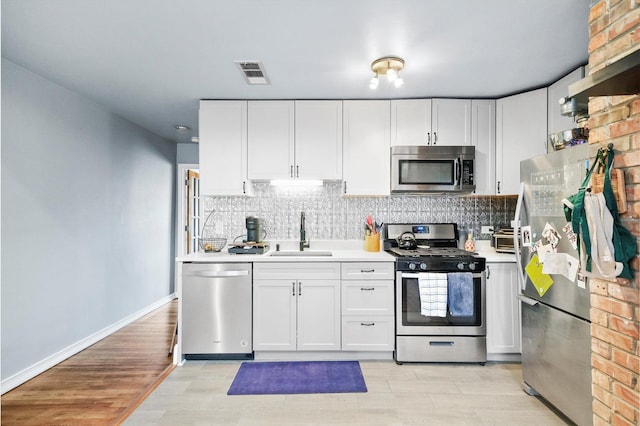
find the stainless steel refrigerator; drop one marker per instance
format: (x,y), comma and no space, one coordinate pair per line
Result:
(556,340)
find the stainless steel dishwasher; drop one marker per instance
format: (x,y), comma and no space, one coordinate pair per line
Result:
(216,310)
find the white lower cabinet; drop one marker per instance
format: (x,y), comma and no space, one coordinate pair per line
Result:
(503,312)
(367,306)
(296,306)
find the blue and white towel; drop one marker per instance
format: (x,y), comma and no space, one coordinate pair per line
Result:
(460,293)
(433,294)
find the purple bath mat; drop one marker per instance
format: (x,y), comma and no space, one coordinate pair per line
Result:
(263,378)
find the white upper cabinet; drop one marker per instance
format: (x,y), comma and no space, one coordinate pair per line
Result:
(270,140)
(318,140)
(521,133)
(411,122)
(483,137)
(366,153)
(560,89)
(223,148)
(451,121)
(431,122)
(295,140)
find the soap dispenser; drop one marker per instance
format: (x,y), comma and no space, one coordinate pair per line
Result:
(470,245)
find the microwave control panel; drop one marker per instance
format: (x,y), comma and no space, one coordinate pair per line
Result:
(467,172)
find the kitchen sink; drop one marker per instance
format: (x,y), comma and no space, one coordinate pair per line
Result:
(301,253)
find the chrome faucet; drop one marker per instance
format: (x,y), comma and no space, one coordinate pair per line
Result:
(303,234)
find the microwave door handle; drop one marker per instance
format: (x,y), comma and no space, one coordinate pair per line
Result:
(457,183)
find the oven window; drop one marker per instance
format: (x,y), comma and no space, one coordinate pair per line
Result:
(411,307)
(425,172)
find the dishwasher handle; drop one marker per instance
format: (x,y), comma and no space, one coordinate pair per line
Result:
(218,274)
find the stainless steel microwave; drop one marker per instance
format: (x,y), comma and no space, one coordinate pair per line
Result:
(433,169)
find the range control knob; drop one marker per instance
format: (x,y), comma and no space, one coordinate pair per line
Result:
(412,266)
(461,266)
(472,266)
(423,266)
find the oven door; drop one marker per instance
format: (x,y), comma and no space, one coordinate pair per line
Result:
(411,322)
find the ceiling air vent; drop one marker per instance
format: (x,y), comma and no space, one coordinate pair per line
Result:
(253,72)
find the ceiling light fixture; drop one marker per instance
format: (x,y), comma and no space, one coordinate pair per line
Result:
(389,66)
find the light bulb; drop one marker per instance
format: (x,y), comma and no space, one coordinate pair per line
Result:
(373,84)
(392,74)
(398,82)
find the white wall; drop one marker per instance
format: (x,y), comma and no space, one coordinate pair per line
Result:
(87,218)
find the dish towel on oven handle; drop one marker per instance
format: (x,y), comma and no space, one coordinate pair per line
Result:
(460,293)
(433,294)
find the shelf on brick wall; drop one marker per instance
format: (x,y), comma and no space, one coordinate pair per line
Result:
(619,78)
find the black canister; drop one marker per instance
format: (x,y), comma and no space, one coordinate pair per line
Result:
(254,229)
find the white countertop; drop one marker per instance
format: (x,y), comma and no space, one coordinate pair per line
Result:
(342,251)
(484,249)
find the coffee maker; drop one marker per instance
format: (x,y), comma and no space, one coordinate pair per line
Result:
(253,243)
(254,229)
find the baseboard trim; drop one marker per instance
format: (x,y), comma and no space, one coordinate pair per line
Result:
(41,366)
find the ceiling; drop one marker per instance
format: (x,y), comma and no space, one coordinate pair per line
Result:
(150,61)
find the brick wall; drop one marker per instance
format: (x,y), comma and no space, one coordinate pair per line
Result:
(614,28)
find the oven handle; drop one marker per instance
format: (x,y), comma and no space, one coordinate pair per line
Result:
(417,274)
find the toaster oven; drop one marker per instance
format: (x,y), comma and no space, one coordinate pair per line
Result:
(503,243)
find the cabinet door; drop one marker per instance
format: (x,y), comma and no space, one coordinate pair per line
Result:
(223,147)
(503,309)
(367,153)
(318,140)
(319,315)
(274,315)
(560,89)
(483,137)
(411,122)
(270,139)
(521,133)
(451,121)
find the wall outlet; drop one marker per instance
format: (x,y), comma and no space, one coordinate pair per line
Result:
(486,230)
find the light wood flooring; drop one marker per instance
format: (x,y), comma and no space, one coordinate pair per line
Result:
(408,394)
(102,384)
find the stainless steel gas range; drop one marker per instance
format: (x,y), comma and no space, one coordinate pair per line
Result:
(440,295)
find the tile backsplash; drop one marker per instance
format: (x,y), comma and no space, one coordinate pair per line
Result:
(330,216)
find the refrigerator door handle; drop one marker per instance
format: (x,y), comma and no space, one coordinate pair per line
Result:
(516,241)
(529,301)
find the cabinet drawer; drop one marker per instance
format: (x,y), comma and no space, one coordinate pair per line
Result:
(296,270)
(365,333)
(374,297)
(367,271)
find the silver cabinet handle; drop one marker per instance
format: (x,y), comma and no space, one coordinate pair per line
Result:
(498,187)
(435,138)
(367,289)
(345,186)
(293,288)
(297,171)
(432,343)
(367,271)
(291,171)
(367,324)
(529,301)
(299,288)
(428,138)
(488,272)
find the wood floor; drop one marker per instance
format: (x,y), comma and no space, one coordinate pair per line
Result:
(101,385)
